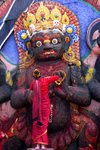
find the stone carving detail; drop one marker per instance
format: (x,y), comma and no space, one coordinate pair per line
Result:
(48,39)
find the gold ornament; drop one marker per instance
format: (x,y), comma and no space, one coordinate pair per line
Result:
(36,75)
(51,112)
(9,78)
(27,56)
(65,19)
(55,14)
(27,61)
(69,30)
(42,12)
(58,82)
(70,57)
(89,75)
(24,36)
(44,24)
(30,20)
(45,19)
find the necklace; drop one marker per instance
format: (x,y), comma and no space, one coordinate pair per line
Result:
(50,118)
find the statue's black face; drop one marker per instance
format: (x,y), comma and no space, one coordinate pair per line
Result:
(48,44)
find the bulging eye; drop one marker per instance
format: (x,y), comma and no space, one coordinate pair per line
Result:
(38,43)
(54,41)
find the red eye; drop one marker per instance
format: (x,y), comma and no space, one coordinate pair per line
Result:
(54,41)
(38,43)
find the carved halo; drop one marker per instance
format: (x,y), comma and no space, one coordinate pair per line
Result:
(95,25)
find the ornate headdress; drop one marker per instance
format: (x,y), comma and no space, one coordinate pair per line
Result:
(42,16)
(44,19)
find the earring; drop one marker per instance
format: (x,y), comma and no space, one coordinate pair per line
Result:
(27,61)
(70,57)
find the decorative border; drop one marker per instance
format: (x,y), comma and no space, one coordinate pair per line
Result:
(3,55)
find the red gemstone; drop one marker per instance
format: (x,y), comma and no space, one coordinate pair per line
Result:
(42,14)
(65,19)
(67,39)
(29,45)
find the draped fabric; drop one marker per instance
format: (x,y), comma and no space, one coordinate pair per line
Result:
(41,109)
(39,133)
(36,109)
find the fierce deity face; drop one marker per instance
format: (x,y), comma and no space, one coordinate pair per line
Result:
(48,44)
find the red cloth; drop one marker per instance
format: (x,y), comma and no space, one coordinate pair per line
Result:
(39,134)
(1,137)
(36,109)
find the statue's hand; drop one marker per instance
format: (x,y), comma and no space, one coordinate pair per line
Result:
(76,76)
(60,87)
(57,73)
(61,74)
(59,92)
(30,95)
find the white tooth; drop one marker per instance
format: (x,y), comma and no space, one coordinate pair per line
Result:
(49,52)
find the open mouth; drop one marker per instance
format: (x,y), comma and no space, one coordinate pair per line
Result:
(50,52)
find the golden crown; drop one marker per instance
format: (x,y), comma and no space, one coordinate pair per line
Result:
(44,19)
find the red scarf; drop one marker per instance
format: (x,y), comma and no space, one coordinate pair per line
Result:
(36,111)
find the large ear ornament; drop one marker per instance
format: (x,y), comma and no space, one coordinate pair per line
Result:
(29,48)
(66,43)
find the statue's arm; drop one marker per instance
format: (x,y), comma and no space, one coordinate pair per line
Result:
(79,94)
(78,91)
(5,93)
(94,88)
(22,96)
(94,84)
(6,82)
(92,81)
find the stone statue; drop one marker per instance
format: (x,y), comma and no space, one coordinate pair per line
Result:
(47,37)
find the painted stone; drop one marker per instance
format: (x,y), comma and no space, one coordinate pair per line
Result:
(49,49)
